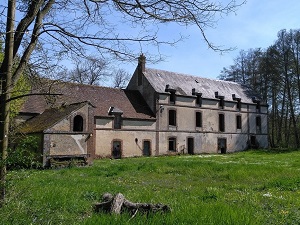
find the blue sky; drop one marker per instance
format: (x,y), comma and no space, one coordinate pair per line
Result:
(254,25)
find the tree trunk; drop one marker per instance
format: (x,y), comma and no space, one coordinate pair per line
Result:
(6,77)
(119,204)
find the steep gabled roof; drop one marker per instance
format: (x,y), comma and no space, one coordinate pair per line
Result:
(130,102)
(49,118)
(183,84)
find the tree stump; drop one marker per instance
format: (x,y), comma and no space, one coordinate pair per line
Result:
(118,204)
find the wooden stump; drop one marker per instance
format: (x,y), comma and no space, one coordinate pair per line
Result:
(118,204)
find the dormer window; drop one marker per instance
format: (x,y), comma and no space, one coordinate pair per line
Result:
(238,104)
(78,123)
(221,102)
(172,97)
(258,107)
(117,113)
(199,100)
(257,101)
(172,94)
(117,122)
(198,97)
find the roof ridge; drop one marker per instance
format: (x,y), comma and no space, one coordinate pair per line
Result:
(191,75)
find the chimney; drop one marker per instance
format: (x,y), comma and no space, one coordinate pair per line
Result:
(142,62)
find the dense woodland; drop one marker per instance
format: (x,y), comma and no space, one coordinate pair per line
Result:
(274,73)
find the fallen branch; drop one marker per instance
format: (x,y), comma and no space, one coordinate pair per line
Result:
(118,204)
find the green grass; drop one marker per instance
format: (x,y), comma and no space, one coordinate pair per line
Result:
(253,187)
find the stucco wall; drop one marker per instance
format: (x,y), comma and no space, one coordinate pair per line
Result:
(67,144)
(107,123)
(131,142)
(206,137)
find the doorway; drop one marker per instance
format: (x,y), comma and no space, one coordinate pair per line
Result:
(190,146)
(116,150)
(146,148)
(222,146)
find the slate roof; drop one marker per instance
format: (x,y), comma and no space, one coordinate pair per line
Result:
(129,101)
(49,117)
(183,84)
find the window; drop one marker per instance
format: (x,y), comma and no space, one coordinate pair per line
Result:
(172,144)
(258,107)
(78,123)
(117,122)
(238,122)
(239,105)
(199,100)
(172,117)
(172,97)
(221,122)
(258,124)
(221,103)
(198,119)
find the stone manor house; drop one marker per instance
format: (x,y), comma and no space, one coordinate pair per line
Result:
(159,113)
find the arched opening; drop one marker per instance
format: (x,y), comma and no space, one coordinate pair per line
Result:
(78,123)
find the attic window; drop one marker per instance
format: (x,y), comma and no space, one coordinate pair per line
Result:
(158,74)
(117,122)
(78,123)
(172,97)
(239,105)
(221,103)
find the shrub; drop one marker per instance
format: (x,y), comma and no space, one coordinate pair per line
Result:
(24,155)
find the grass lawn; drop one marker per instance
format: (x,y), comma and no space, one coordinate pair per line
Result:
(253,187)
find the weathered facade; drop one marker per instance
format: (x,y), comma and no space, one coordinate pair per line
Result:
(198,115)
(159,113)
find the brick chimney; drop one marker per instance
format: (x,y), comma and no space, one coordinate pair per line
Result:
(142,63)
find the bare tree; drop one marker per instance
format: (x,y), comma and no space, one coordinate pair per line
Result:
(63,26)
(120,78)
(89,70)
